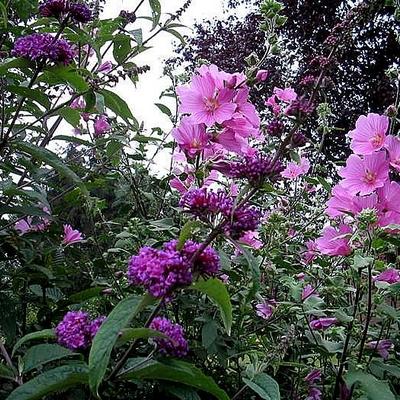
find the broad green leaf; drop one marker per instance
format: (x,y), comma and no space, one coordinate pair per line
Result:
(51,159)
(218,293)
(122,47)
(51,381)
(85,294)
(265,386)
(156,12)
(62,74)
(73,139)
(372,387)
(6,372)
(13,63)
(72,116)
(183,392)
(116,104)
(107,336)
(44,334)
(44,353)
(176,371)
(186,232)
(164,109)
(378,367)
(32,94)
(138,333)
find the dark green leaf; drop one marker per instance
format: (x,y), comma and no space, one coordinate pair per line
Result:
(13,63)
(71,115)
(156,12)
(44,334)
(265,386)
(32,94)
(85,295)
(117,105)
(137,333)
(177,35)
(164,109)
(61,74)
(186,232)
(122,47)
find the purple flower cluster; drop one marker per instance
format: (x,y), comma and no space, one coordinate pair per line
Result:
(76,330)
(176,345)
(275,128)
(256,169)
(243,219)
(57,8)
(160,271)
(41,46)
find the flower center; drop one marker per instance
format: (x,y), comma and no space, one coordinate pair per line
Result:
(377,140)
(211,104)
(370,177)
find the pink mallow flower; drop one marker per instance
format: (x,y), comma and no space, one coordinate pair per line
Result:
(392,145)
(251,239)
(382,347)
(101,126)
(205,101)
(265,309)
(271,102)
(294,170)
(391,276)
(370,134)
(308,291)
(287,95)
(311,252)
(71,235)
(322,323)
(335,242)
(364,175)
(192,138)
(262,75)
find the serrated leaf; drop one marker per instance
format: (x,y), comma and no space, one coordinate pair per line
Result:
(51,381)
(43,354)
(108,334)
(44,334)
(265,386)
(179,372)
(218,293)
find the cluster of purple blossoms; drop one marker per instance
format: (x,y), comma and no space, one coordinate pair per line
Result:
(41,46)
(176,345)
(275,128)
(256,169)
(76,331)
(298,140)
(301,105)
(160,271)
(243,219)
(57,8)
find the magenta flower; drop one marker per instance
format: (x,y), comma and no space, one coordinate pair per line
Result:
(262,75)
(71,235)
(313,376)
(251,239)
(101,126)
(53,8)
(308,291)
(23,225)
(382,347)
(392,145)
(78,104)
(322,323)
(265,309)
(294,170)
(364,175)
(106,67)
(271,102)
(335,242)
(233,141)
(206,102)
(370,134)
(311,252)
(247,110)
(192,138)
(287,95)
(391,276)
(314,393)
(80,12)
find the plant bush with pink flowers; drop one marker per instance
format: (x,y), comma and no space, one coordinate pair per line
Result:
(244,272)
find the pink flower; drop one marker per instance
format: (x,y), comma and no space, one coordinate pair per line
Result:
(287,95)
(192,138)
(78,104)
(313,376)
(392,145)
(294,170)
(207,101)
(251,239)
(262,75)
(106,67)
(301,276)
(23,225)
(382,347)
(391,275)
(322,323)
(246,109)
(308,291)
(335,242)
(71,235)
(370,134)
(271,102)
(234,142)
(101,126)
(364,175)
(265,309)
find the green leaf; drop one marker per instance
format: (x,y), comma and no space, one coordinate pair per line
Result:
(51,381)
(265,386)
(73,139)
(44,334)
(177,35)
(13,63)
(218,293)
(61,74)
(32,94)
(372,387)
(137,36)
(156,12)
(138,333)
(117,105)
(44,353)
(122,47)
(164,109)
(186,232)
(51,159)
(6,372)
(176,371)
(183,392)
(107,336)
(72,116)
(85,294)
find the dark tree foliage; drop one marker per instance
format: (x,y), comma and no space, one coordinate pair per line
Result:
(356,84)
